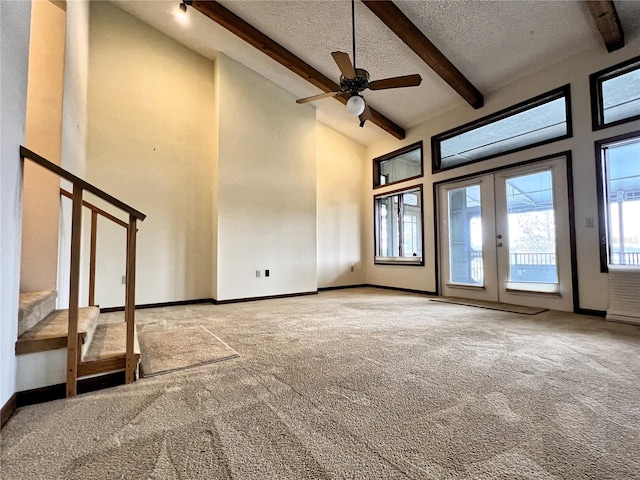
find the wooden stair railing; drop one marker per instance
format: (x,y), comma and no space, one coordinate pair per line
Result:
(95,211)
(79,186)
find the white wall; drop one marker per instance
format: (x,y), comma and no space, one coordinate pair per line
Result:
(220,159)
(74,131)
(214,181)
(150,143)
(576,71)
(15,19)
(341,235)
(43,136)
(266,188)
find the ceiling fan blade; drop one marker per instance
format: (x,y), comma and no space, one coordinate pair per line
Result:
(396,82)
(364,116)
(344,64)
(318,97)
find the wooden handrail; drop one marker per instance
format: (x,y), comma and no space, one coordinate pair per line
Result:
(79,186)
(34,157)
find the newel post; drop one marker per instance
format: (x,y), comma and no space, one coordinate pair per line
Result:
(130,298)
(74,292)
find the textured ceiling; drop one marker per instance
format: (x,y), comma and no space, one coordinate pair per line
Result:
(492,43)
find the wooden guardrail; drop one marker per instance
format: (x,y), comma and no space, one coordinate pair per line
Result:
(79,186)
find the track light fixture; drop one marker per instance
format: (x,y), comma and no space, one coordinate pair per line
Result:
(184,4)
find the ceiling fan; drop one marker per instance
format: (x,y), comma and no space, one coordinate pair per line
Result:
(353,81)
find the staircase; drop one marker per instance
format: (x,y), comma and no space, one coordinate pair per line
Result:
(58,347)
(41,348)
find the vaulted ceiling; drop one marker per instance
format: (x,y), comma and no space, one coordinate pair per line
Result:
(483,46)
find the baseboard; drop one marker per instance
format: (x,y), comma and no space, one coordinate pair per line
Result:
(593,313)
(7,410)
(159,305)
(268,297)
(370,285)
(342,287)
(58,391)
(408,290)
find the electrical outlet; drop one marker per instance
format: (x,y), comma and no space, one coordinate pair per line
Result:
(589,222)
(257,273)
(266,273)
(124,279)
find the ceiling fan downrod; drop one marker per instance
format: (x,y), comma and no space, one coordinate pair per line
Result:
(353,30)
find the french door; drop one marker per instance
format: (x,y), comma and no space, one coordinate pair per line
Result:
(505,236)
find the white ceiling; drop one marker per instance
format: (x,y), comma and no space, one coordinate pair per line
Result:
(492,43)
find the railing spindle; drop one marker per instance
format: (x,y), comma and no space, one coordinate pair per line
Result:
(92,258)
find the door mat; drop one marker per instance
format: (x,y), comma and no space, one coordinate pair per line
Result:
(504,307)
(174,349)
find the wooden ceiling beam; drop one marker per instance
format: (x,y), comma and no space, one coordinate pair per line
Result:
(399,24)
(608,23)
(254,37)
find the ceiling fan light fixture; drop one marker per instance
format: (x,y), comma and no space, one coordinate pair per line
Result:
(355,105)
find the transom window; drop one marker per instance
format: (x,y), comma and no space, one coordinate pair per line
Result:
(398,166)
(398,227)
(615,94)
(618,167)
(537,121)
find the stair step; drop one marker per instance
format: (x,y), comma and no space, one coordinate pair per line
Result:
(35,306)
(107,351)
(51,333)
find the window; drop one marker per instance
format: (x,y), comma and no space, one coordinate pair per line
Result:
(398,227)
(537,121)
(615,94)
(618,168)
(403,164)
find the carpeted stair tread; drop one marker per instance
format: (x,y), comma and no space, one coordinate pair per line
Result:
(109,341)
(35,306)
(51,333)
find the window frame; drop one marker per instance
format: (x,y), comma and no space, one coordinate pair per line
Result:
(390,156)
(408,261)
(547,97)
(595,85)
(601,195)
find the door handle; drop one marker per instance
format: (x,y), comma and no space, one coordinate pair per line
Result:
(499,244)
(499,237)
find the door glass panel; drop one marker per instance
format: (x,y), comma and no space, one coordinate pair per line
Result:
(532,233)
(465,236)
(622,172)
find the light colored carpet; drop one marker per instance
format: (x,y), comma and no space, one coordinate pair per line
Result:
(504,307)
(110,340)
(178,348)
(357,384)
